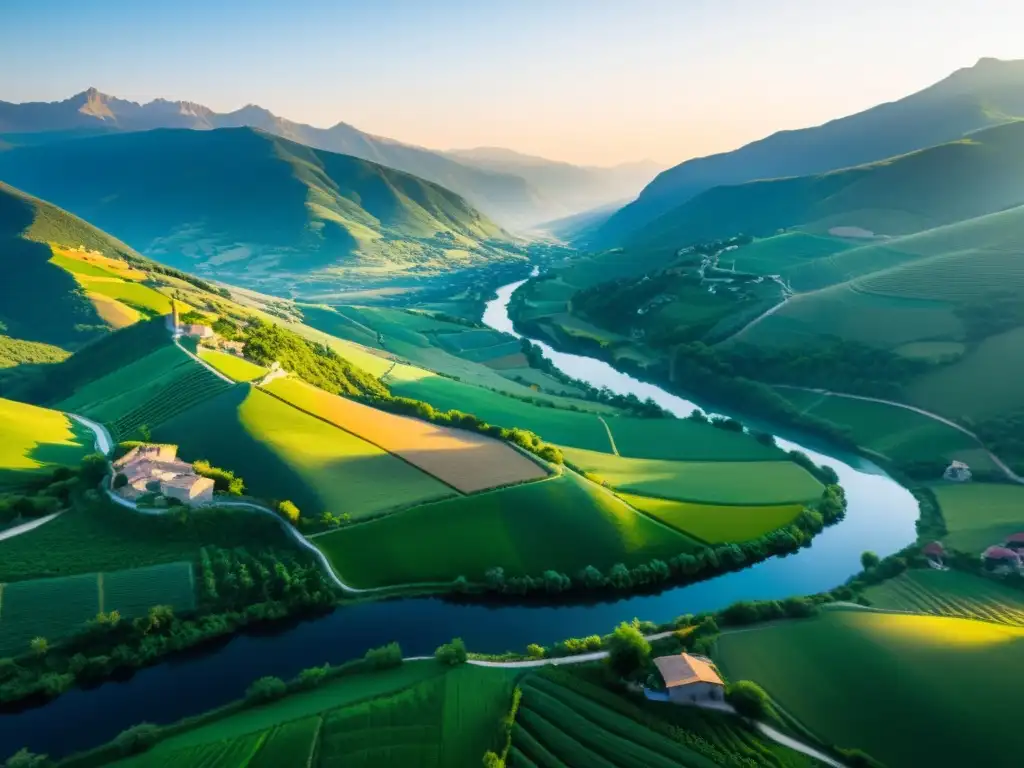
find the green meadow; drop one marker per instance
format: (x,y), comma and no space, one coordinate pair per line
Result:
(978,515)
(716,482)
(714,523)
(882,682)
(283,453)
(523,529)
(37,440)
(685,440)
(232,366)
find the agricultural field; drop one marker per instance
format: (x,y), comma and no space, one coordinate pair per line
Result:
(684,440)
(581,429)
(566,720)
(146,392)
(53,608)
(978,515)
(773,255)
(899,434)
(232,366)
(36,441)
(882,682)
(283,453)
(103,536)
(418,714)
(715,482)
(950,593)
(715,523)
(523,529)
(465,460)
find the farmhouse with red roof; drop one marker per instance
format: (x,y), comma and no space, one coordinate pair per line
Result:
(1001,560)
(1015,542)
(689,678)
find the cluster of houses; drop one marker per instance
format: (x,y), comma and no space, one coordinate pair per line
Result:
(157,469)
(999,559)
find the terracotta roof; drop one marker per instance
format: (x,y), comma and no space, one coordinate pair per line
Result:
(188,482)
(1000,553)
(1016,538)
(685,669)
(935,548)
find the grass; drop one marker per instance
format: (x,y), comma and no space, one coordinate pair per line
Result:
(714,523)
(523,529)
(716,482)
(283,453)
(292,743)
(684,440)
(978,515)
(14,352)
(102,536)
(139,297)
(881,682)
(773,255)
(37,440)
(899,434)
(229,753)
(555,425)
(54,608)
(950,593)
(463,459)
(232,366)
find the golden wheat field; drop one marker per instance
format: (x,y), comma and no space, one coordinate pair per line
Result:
(468,462)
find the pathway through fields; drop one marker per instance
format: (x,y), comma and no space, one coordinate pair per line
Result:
(17,530)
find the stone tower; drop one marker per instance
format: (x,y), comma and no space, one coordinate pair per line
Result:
(174,316)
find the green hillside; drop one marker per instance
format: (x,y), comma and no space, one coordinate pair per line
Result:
(256,208)
(910,193)
(969,100)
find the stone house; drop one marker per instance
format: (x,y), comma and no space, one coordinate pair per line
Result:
(157,469)
(957,472)
(689,678)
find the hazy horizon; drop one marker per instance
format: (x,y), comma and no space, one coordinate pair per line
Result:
(572,81)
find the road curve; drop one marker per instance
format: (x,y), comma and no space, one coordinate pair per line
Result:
(17,530)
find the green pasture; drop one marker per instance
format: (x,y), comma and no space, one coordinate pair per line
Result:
(555,425)
(883,682)
(979,515)
(14,352)
(232,366)
(135,295)
(523,529)
(103,536)
(715,523)
(899,434)
(717,482)
(289,743)
(54,608)
(772,255)
(81,267)
(36,441)
(684,440)
(283,453)
(950,593)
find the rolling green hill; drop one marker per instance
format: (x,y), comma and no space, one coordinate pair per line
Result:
(980,174)
(257,209)
(970,99)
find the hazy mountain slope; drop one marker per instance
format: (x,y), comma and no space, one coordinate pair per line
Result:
(911,193)
(566,189)
(248,206)
(987,94)
(502,195)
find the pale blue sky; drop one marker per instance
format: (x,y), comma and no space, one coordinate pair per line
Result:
(598,81)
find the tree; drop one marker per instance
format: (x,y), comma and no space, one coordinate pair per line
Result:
(628,650)
(120,481)
(313,676)
(492,760)
(748,698)
(535,651)
(266,689)
(869,560)
(159,617)
(39,646)
(25,759)
(288,511)
(136,739)
(452,654)
(386,657)
(94,469)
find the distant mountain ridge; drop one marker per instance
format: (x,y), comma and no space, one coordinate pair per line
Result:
(974,98)
(255,208)
(512,193)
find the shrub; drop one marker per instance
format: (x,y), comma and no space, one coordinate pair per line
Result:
(266,689)
(25,759)
(120,481)
(313,676)
(452,654)
(628,650)
(385,657)
(869,560)
(535,651)
(136,739)
(93,469)
(748,698)
(288,511)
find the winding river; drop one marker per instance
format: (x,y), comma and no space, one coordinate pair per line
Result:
(880,517)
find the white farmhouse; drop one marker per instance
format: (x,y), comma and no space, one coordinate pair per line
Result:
(689,678)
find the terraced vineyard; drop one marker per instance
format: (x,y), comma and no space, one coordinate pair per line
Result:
(953,277)
(196,385)
(950,593)
(289,744)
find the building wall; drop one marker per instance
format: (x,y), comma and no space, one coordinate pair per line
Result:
(685,694)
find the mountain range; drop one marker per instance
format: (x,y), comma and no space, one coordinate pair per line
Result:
(515,189)
(987,94)
(260,210)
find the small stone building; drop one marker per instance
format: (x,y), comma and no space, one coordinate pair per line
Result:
(157,468)
(957,472)
(689,678)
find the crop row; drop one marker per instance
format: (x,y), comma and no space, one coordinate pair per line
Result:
(952,277)
(909,595)
(192,388)
(291,744)
(229,753)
